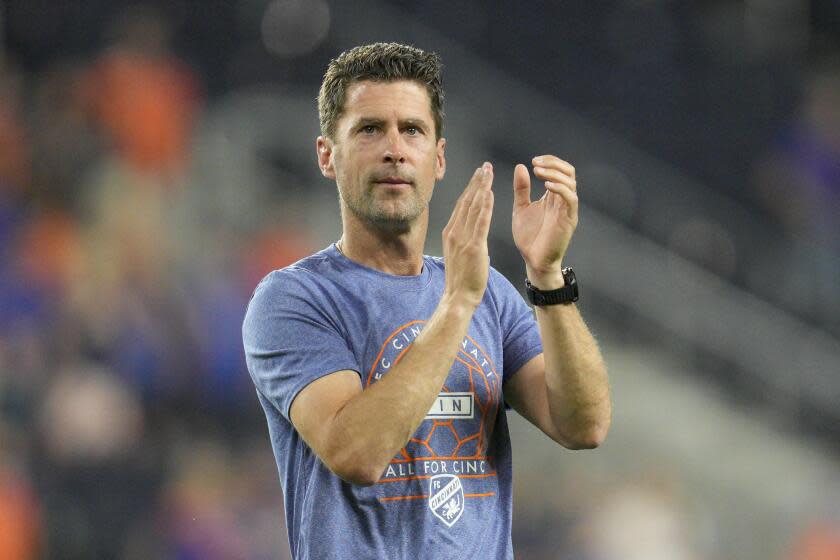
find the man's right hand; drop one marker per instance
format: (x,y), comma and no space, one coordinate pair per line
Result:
(465,250)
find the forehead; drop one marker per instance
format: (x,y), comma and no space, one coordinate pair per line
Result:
(400,99)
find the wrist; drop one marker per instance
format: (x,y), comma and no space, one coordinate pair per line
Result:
(547,278)
(568,293)
(456,307)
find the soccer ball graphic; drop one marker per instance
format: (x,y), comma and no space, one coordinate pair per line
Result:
(462,437)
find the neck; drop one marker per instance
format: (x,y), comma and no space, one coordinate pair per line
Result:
(398,253)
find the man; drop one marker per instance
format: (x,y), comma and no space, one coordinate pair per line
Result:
(384,373)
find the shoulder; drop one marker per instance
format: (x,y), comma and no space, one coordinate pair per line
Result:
(279,287)
(301,277)
(299,287)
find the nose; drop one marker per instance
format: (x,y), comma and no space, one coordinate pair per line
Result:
(393,149)
(394,156)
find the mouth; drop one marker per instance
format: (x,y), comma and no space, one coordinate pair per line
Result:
(393,182)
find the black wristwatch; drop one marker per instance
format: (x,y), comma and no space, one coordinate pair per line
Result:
(567,294)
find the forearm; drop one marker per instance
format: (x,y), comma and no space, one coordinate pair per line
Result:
(575,374)
(374,425)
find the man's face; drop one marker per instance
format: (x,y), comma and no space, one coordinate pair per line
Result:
(384,157)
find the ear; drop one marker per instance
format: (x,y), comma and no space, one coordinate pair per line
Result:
(324,147)
(440,160)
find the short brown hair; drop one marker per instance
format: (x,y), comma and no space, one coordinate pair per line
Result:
(378,62)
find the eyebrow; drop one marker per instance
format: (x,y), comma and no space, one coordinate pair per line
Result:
(366,121)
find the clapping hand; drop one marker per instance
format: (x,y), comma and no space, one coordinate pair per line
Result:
(465,239)
(543,228)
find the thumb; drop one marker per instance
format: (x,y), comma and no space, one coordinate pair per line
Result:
(521,187)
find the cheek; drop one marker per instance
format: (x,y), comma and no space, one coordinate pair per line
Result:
(343,166)
(350,174)
(355,162)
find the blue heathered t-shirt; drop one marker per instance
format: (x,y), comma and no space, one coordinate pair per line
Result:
(447,494)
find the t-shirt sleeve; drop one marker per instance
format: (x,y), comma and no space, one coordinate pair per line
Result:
(521,339)
(291,339)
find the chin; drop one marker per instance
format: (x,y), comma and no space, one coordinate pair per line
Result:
(392,223)
(386,217)
(397,221)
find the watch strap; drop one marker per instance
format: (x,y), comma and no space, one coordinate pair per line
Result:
(565,295)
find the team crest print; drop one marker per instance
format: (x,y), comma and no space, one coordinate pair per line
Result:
(447,462)
(446,498)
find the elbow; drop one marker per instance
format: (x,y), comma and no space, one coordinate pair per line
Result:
(353,459)
(589,438)
(360,476)
(354,469)
(357,476)
(583,442)
(586,431)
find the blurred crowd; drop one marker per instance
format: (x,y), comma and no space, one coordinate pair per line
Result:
(129,427)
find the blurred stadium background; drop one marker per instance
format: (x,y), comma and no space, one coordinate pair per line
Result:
(156,159)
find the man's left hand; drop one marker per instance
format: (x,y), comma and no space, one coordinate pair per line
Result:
(542,229)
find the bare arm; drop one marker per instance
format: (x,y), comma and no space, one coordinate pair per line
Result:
(357,432)
(565,390)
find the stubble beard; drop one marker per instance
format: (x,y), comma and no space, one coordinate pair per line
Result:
(381,215)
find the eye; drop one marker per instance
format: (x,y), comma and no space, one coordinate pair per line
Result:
(368,129)
(412,131)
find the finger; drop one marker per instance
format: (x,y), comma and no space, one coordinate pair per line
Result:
(485,215)
(483,180)
(469,190)
(555,176)
(521,187)
(554,162)
(475,209)
(461,203)
(479,198)
(479,180)
(552,200)
(569,196)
